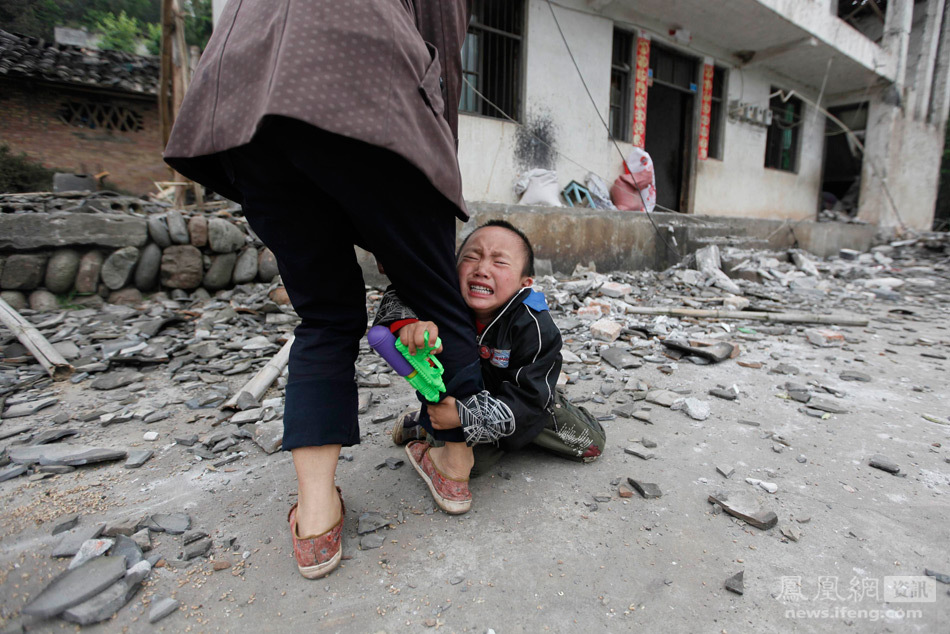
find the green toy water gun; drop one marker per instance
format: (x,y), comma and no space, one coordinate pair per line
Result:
(422,370)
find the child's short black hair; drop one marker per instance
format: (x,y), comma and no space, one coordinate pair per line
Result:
(528,269)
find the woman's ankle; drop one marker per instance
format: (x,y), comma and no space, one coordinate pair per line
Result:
(316,514)
(454,460)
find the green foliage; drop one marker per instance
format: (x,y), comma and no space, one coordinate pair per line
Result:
(66,302)
(39,17)
(198,22)
(20,173)
(141,11)
(153,38)
(113,18)
(119,32)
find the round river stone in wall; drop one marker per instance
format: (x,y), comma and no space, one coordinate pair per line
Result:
(118,267)
(61,271)
(182,267)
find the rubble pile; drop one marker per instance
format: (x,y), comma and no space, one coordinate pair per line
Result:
(160,371)
(116,352)
(83,248)
(602,309)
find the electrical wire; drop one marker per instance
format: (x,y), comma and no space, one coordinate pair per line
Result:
(607,128)
(554,149)
(785,96)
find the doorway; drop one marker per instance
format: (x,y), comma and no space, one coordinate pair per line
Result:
(841,175)
(670,112)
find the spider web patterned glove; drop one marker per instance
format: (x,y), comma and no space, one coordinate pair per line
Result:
(391,309)
(484,419)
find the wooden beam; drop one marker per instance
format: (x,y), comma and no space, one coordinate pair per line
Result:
(779,318)
(263,379)
(41,349)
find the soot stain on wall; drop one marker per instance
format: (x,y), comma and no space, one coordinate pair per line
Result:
(536,143)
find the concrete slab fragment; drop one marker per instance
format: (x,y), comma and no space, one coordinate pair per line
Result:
(29,408)
(171,523)
(734,583)
(64,454)
(103,605)
(746,509)
(73,540)
(162,608)
(75,586)
(90,549)
(371,521)
(883,463)
(138,457)
(647,490)
(664,398)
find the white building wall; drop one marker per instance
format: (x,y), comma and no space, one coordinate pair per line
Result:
(739,184)
(555,100)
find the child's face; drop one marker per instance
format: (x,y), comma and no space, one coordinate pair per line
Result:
(490,269)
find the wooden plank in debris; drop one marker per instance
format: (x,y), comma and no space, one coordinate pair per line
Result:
(779,318)
(51,360)
(263,379)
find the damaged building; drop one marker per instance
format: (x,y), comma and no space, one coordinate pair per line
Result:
(725,97)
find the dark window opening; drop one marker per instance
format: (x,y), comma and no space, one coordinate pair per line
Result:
(784,135)
(855,10)
(865,16)
(716,113)
(100,116)
(491,59)
(673,69)
(621,90)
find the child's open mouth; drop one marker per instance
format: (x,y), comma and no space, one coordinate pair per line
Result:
(477,289)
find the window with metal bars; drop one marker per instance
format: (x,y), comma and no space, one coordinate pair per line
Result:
(491,59)
(621,70)
(716,113)
(783,138)
(95,115)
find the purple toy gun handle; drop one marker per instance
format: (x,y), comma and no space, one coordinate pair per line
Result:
(384,342)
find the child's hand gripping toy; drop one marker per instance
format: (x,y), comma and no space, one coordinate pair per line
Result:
(422,370)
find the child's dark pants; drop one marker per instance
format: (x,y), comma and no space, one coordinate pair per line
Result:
(310,196)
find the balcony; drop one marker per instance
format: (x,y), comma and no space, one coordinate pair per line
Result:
(790,38)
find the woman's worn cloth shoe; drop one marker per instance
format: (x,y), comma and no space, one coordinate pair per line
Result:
(318,555)
(452,495)
(407,427)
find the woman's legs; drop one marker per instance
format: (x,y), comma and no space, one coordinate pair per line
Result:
(310,196)
(410,228)
(313,243)
(318,505)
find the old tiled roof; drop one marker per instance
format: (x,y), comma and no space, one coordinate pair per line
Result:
(29,57)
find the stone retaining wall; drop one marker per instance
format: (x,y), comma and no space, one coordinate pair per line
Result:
(90,247)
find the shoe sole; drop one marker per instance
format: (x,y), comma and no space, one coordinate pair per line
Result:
(396,433)
(322,570)
(452,507)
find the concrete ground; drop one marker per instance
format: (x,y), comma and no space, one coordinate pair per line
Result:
(537,553)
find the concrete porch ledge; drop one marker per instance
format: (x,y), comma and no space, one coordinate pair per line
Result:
(624,240)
